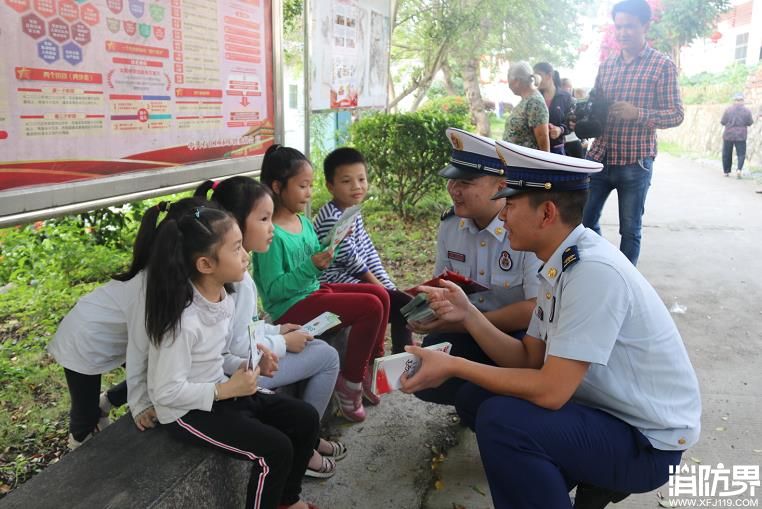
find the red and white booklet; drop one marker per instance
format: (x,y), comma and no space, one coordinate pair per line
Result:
(468,285)
(387,371)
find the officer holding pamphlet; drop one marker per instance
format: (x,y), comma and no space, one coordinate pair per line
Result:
(600,393)
(473,243)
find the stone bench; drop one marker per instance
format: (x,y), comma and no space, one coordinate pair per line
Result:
(124,468)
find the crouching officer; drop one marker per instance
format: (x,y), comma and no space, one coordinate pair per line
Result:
(473,242)
(600,393)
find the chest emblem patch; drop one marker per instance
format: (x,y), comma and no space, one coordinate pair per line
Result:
(505,261)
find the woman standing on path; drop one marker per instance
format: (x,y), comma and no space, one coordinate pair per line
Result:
(528,123)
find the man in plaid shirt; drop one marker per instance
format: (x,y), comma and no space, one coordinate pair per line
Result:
(641,85)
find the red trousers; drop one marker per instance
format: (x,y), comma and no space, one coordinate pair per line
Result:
(364,307)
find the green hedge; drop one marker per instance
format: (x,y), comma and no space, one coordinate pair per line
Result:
(405,152)
(451,104)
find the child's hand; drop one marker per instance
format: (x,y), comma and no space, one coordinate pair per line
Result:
(146,419)
(242,383)
(288,327)
(268,364)
(296,341)
(322,259)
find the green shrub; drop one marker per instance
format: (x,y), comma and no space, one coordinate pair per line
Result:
(404,153)
(451,104)
(715,88)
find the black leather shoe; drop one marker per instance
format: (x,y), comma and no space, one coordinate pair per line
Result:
(592,497)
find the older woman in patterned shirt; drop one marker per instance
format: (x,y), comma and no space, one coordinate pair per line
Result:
(528,123)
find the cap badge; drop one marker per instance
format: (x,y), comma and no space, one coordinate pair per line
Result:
(456,143)
(547,186)
(505,261)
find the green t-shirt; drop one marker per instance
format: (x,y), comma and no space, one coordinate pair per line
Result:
(285,274)
(528,114)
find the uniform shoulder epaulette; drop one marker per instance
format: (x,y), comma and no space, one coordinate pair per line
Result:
(569,257)
(447,213)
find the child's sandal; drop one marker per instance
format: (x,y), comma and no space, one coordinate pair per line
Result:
(326,470)
(338,450)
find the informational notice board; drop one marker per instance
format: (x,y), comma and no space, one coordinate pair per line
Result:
(95,88)
(349,53)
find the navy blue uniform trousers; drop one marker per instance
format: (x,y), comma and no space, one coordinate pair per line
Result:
(534,456)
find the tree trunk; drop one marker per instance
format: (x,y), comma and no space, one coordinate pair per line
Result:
(449,85)
(470,72)
(425,81)
(423,88)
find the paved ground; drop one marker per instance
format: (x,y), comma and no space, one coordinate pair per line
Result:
(702,250)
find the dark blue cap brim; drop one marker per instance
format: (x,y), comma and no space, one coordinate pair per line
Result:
(508,191)
(453,172)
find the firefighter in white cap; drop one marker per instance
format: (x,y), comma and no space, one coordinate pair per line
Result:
(600,393)
(472,241)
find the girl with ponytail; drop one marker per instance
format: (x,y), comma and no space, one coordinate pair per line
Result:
(301,358)
(560,105)
(106,328)
(286,276)
(204,394)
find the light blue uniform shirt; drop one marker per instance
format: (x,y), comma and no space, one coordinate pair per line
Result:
(486,257)
(595,306)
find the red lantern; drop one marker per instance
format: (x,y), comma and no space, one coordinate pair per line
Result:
(716,36)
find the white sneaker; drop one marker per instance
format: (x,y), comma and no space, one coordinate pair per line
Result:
(105,405)
(738,174)
(73,443)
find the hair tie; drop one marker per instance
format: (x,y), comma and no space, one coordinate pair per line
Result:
(214,184)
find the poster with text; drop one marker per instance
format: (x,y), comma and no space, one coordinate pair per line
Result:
(349,54)
(90,88)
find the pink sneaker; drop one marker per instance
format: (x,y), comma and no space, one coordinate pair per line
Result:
(349,400)
(368,395)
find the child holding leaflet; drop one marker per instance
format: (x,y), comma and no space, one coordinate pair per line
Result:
(287,278)
(300,356)
(357,260)
(106,328)
(202,393)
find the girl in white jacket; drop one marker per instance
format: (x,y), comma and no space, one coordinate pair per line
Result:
(105,329)
(203,393)
(301,358)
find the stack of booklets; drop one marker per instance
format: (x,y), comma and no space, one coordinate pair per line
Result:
(418,310)
(388,371)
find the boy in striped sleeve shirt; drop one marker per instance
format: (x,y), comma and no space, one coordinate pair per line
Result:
(356,259)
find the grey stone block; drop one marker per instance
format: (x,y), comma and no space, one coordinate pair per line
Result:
(124,468)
